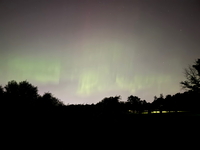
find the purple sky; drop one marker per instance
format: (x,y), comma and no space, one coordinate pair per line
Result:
(85,50)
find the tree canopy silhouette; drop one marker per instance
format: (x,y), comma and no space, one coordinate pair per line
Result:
(192,75)
(48,100)
(24,94)
(109,104)
(136,104)
(20,94)
(134,100)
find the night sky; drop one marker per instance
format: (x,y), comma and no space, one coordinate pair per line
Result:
(84,50)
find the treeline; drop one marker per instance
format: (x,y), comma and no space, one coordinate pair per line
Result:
(181,102)
(24,95)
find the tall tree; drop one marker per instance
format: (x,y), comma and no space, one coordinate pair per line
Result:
(21,94)
(192,75)
(158,102)
(135,103)
(11,93)
(27,92)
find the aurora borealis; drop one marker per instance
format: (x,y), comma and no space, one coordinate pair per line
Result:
(84,50)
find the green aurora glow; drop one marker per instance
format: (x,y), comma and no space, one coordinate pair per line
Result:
(33,69)
(82,51)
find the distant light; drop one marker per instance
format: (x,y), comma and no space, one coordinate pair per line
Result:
(154,112)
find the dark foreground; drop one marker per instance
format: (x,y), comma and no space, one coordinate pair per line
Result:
(60,117)
(57,130)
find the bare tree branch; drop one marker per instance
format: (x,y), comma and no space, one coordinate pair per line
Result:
(192,75)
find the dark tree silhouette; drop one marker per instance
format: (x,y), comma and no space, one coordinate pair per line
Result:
(11,94)
(143,105)
(27,92)
(1,93)
(133,99)
(109,104)
(158,103)
(110,101)
(167,105)
(24,94)
(48,100)
(192,75)
(135,103)
(11,89)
